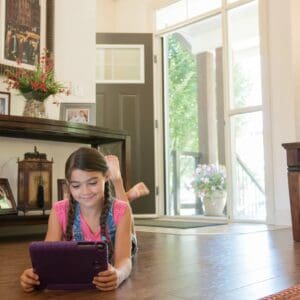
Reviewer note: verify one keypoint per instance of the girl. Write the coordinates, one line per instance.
(90, 204)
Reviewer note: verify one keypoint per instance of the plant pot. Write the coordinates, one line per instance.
(214, 203)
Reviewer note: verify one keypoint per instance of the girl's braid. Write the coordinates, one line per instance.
(103, 218)
(71, 215)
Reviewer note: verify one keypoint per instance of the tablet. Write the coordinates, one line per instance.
(68, 265)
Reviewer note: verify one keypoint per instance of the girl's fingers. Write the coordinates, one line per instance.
(105, 279)
(105, 286)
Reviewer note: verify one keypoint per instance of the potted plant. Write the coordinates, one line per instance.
(35, 85)
(209, 184)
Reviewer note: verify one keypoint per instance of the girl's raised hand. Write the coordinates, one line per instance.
(29, 280)
(107, 280)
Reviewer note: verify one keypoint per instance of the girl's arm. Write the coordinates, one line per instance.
(115, 275)
(54, 232)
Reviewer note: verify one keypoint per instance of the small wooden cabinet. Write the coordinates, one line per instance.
(54, 130)
(293, 168)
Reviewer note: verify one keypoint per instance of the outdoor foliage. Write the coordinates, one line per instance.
(183, 122)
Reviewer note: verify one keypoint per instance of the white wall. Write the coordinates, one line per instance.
(295, 38)
(282, 101)
(74, 48)
(127, 15)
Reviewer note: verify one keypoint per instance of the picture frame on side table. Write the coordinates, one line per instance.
(84, 113)
(7, 200)
(4, 103)
(62, 189)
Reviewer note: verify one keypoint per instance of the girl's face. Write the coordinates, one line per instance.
(87, 187)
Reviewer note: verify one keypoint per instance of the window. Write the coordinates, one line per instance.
(122, 64)
(198, 91)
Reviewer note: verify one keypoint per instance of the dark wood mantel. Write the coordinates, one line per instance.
(54, 130)
(62, 131)
(293, 168)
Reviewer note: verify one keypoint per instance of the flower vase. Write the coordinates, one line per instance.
(34, 107)
(214, 203)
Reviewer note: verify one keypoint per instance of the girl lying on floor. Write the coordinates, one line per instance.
(91, 214)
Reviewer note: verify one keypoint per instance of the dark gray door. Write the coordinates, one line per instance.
(130, 107)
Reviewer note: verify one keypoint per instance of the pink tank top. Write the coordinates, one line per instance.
(61, 209)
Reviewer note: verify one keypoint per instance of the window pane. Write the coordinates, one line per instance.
(245, 56)
(171, 14)
(232, 1)
(248, 166)
(194, 106)
(120, 64)
(198, 7)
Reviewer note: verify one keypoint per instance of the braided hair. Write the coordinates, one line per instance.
(88, 159)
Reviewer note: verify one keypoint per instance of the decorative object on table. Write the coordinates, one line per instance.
(36, 86)
(78, 112)
(4, 103)
(62, 189)
(34, 182)
(209, 184)
(7, 201)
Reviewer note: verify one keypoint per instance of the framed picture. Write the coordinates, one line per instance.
(7, 201)
(4, 103)
(78, 112)
(23, 32)
(62, 189)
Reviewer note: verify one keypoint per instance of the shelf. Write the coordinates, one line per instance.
(55, 130)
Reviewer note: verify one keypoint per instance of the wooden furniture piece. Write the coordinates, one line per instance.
(293, 167)
(54, 130)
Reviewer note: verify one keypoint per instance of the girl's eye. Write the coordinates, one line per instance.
(75, 186)
(93, 183)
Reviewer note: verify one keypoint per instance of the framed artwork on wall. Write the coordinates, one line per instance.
(23, 32)
(7, 201)
(26, 28)
(78, 113)
(4, 103)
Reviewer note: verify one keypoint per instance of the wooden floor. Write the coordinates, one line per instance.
(168, 266)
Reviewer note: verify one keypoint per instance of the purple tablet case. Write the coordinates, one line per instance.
(68, 265)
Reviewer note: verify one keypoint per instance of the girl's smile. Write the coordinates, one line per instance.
(87, 187)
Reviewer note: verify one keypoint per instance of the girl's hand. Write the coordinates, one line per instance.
(29, 280)
(107, 280)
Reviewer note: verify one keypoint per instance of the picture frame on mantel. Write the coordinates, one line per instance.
(7, 200)
(84, 113)
(23, 32)
(4, 103)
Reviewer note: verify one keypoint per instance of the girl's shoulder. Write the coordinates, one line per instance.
(119, 209)
(61, 207)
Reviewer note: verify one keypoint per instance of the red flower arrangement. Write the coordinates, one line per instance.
(36, 84)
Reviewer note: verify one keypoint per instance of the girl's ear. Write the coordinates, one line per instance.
(106, 177)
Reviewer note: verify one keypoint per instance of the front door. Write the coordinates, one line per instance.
(124, 96)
